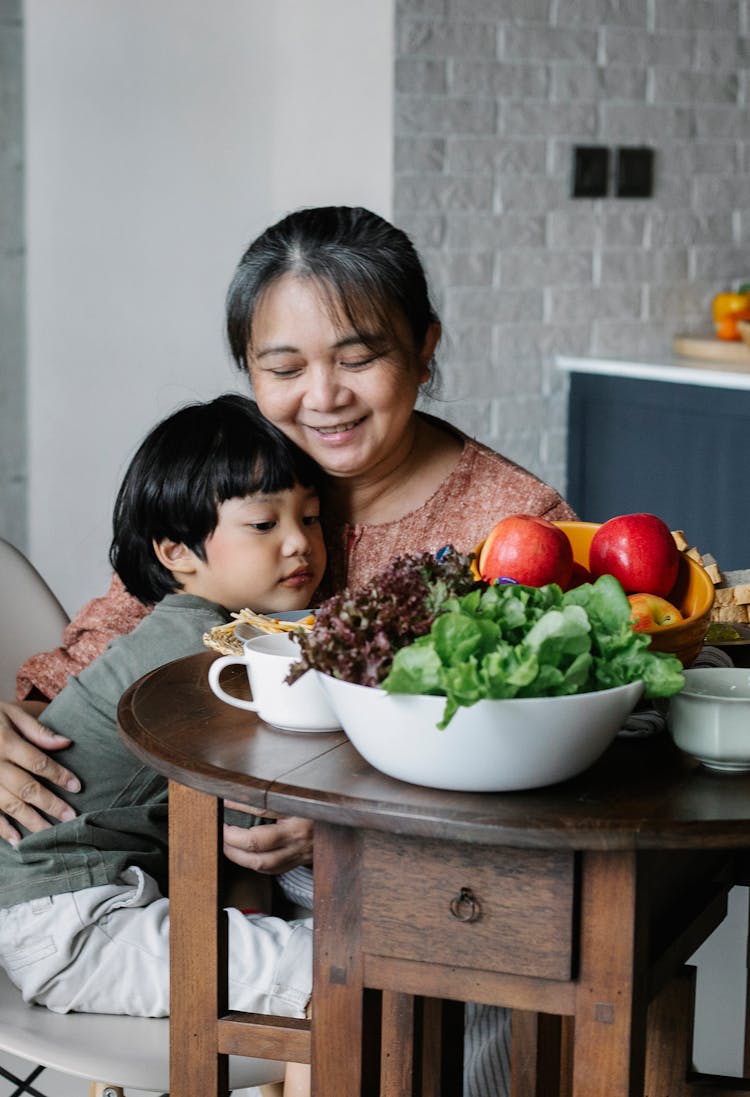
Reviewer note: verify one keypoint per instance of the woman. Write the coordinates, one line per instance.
(330, 314)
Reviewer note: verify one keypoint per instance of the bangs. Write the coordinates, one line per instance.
(363, 309)
(234, 472)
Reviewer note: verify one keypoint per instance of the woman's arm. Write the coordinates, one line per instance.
(23, 742)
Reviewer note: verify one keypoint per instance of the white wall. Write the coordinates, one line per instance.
(161, 137)
(720, 992)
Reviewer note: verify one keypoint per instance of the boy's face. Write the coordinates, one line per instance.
(266, 553)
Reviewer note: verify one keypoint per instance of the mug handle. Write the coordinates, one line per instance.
(214, 673)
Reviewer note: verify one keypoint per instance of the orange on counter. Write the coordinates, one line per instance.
(727, 309)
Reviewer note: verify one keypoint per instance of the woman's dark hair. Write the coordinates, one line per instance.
(188, 465)
(368, 269)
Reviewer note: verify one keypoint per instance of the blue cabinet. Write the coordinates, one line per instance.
(677, 450)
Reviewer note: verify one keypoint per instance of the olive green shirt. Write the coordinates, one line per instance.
(122, 808)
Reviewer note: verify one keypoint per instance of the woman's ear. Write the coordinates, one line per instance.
(431, 340)
(175, 556)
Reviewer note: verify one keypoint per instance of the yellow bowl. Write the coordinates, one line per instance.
(693, 594)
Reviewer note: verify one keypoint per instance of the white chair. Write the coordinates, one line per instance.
(109, 1051)
(124, 1051)
(32, 618)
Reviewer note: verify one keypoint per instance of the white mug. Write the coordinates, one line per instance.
(299, 707)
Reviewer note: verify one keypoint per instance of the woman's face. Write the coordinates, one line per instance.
(347, 403)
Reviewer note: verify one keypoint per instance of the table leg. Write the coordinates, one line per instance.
(198, 980)
(610, 1014)
(442, 1058)
(421, 1046)
(536, 1054)
(337, 1006)
(397, 1048)
(670, 1036)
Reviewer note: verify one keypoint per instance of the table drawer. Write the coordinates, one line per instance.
(499, 909)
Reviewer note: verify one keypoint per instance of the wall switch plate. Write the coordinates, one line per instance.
(634, 172)
(590, 171)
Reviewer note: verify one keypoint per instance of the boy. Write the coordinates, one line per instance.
(218, 511)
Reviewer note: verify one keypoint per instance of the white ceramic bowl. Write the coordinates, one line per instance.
(710, 717)
(493, 746)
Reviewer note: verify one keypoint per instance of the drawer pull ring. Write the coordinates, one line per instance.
(465, 906)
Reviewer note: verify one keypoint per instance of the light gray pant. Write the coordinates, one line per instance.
(106, 950)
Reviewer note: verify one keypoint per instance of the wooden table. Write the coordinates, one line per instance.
(580, 900)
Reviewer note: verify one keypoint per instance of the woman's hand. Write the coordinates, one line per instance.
(284, 845)
(21, 764)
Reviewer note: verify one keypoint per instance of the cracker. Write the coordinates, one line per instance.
(227, 644)
(733, 614)
(737, 578)
(712, 571)
(680, 540)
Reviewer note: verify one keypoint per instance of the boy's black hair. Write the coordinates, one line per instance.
(188, 465)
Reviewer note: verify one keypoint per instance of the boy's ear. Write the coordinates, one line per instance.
(175, 556)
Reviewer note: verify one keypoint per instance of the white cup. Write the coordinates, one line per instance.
(300, 707)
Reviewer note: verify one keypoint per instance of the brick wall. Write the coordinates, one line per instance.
(12, 334)
(491, 96)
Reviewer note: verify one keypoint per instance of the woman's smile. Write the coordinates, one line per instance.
(339, 430)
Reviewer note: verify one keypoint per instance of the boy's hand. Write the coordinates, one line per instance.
(272, 849)
(21, 764)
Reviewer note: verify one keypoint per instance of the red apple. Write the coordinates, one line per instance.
(649, 612)
(528, 549)
(639, 550)
(579, 576)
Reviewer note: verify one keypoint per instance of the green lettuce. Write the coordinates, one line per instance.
(516, 641)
